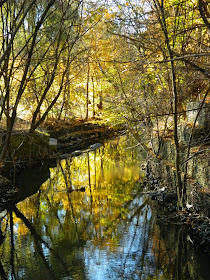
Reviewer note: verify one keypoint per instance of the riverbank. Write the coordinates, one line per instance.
(74, 135)
(161, 181)
(68, 136)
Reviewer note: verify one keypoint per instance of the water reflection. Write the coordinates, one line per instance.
(89, 220)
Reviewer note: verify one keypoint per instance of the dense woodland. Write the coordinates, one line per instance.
(133, 62)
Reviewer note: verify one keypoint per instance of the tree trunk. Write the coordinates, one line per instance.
(161, 12)
(94, 112)
(87, 92)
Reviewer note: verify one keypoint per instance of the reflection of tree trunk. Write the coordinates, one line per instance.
(138, 210)
(36, 236)
(102, 168)
(65, 178)
(145, 239)
(68, 171)
(133, 239)
(89, 182)
(37, 216)
(12, 245)
(2, 272)
(73, 215)
(145, 244)
(39, 249)
(178, 261)
(3, 275)
(69, 189)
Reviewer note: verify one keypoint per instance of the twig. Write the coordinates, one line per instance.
(132, 147)
(196, 153)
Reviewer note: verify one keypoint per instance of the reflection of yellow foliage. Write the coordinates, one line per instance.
(109, 176)
(22, 229)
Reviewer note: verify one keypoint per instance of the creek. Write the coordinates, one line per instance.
(88, 217)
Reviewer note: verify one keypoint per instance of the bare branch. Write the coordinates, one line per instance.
(203, 11)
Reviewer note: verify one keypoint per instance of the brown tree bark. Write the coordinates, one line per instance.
(161, 13)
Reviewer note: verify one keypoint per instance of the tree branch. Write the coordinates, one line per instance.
(202, 7)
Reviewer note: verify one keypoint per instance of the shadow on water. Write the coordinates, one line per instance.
(26, 184)
(87, 218)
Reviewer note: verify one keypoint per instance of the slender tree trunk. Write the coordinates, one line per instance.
(176, 140)
(62, 106)
(161, 12)
(87, 92)
(94, 112)
(68, 98)
(100, 101)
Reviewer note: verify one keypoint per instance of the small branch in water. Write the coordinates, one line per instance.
(69, 190)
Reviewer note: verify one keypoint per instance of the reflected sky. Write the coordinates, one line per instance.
(125, 261)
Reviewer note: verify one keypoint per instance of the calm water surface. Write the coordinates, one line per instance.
(104, 229)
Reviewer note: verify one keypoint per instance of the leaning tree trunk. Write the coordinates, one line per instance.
(161, 13)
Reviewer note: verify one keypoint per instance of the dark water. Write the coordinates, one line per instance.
(104, 229)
